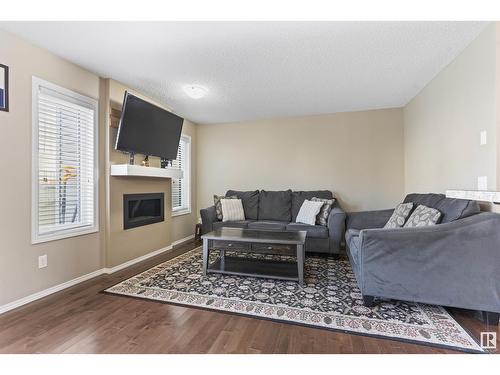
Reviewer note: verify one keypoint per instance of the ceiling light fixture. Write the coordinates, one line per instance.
(195, 91)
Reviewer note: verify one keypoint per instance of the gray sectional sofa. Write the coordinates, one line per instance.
(454, 263)
(277, 210)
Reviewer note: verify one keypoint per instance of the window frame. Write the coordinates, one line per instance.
(36, 237)
(187, 178)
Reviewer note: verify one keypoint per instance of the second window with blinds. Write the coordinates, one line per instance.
(181, 202)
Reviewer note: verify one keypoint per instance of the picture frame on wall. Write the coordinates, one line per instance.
(4, 88)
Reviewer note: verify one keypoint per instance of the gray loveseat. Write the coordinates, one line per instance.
(277, 210)
(455, 263)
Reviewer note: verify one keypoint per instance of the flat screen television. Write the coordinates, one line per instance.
(148, 129)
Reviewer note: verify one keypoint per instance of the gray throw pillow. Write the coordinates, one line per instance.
(322, 218)
(423, 216)
(218, 205)
(399, 216)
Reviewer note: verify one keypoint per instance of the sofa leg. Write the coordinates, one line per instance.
(369, 301)
(491, 318)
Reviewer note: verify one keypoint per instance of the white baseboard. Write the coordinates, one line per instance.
(182, 240)
(49, 291)
(46, 292)
(146, 256)
(136, 260)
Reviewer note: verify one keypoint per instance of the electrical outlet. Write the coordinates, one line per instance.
(483, 137)
(42, 261)
(482, 183)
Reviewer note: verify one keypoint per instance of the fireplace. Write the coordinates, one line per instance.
(142, 209)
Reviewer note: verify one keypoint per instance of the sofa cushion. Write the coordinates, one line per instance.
(324, 213)
(232, 210)
(430, 200)
(231, 224)
(313, 231)
(308, 212)
(218, 205)
(250, 200)
(275, 205)
(298, 197)
(399, 216)
(453, 209)
(268, 224)
(423, 216)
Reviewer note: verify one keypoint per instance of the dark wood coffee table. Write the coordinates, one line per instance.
(255, 241)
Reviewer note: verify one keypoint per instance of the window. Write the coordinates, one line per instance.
(64, 202)
(180, 186)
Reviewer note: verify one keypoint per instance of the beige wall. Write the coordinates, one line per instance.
(124, 245)
(443, 122)
(67, 258)
(357, 155)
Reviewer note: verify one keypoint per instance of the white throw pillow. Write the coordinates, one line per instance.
(232, 209)
(308, 212)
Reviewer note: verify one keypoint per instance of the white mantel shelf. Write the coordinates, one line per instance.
(477, 195)
(127, 170)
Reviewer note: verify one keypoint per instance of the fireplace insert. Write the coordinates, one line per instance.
(142, 209)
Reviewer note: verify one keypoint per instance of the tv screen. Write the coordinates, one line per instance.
(147, 129)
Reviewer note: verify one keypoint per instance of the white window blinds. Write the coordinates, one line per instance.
(180, 186)
(65, 173)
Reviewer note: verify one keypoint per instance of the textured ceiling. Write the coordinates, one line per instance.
(257, 70)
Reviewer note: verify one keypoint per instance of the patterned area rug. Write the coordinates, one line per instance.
(329, 299)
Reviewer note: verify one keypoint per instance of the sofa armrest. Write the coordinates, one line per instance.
(336, 228)
(368, 219)
(208, 217)
(452, 264)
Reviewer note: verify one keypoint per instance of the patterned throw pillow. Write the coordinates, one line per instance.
(308, 212)
(399, 216)
(322, 218)
(423, 216)
(218, 206)
(232, 209)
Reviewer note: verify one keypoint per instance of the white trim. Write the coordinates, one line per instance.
(137, 260)
(187, 172)
(177, 211)
(478, 195)
(57, 288)
(182, 240)
(36, 83)
(180, 212)
(68, 233)
(140, 171)
(49, 291)
(146, 256)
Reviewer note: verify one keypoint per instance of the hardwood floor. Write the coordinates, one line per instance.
(83, 320)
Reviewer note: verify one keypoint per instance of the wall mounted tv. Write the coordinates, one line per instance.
(147, 129)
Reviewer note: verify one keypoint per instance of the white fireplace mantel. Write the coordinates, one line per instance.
(128, 170)
(477, 195)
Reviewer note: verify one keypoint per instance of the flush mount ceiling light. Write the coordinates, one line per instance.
(195, 91)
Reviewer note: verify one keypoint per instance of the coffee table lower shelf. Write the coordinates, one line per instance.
(263, 268)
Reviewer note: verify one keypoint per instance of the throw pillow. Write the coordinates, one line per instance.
(218, 207)
(399, 216)
(322, 218)
(423, 216)
(232, 209)
(308, 212)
